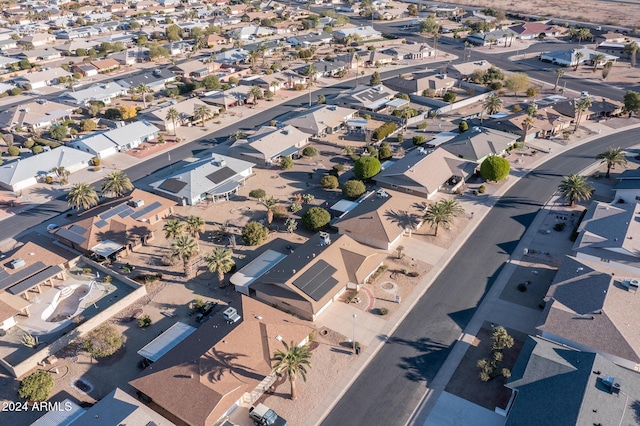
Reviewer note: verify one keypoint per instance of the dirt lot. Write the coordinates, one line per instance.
(610, 13)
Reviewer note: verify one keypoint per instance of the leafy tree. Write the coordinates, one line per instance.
(606, 69)
(517, 82)
(254, 233)
(13, 151)
(366, 167)
(493, 104)
(632, 49)
(82, 195)
(352, 189)
(329, 182)
(36, 387)
(632, 102)
(59, 132)
(385, 152)
(257, 193)
(431, 26)
(173, 228)
(293, 362)
(38, 149)
(532, 92)
(442, 213)
(116, 183)
(322, 99)
(575, 188)
(315, 219)
(449, 97)
(184, 247)
(613, 157)
(309, 151)
(173, 32)
(220, 261)
(103, 341)
(495, 168)
(128, 112)
(412, 10)
(375, 79)
(88, 125)
(286, 163)
(463, 126)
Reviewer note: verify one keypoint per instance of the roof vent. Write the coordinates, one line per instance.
(612, 384)
(137, 203)
(18, 263)
(325, 239)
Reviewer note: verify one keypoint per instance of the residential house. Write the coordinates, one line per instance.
(407, 52)
(37, 80)
(120, 139)
(268, 144)
(26, 172)
(154, 80)
(7, 45)
(41, 54)
(365, 98)
(321, 120)
(377, 58)
(424, 172)
(606, 236)
(251, 32)
(389, 14)
(106, 65)
(628, 187)
(593, 390)
(381, 218)
(546, 122)
(131, 56)
(186, 111)
(210, 179)
(569, 58)
(228, 98)
(478, 143)
(272, 82)
(492, 38)
(214, 40)
(531, 30)
(191, 68)
(432, 81)
(598, 109)
(590, 306)
(85, 69)
(464, 70)
(76, 33)
(363, 33)
(37, 40)
(311, 39)
(195, 381)
(232, 56)
(103, 92)
(118, 227)
(34, 116)
(311, 278)
(615, 48)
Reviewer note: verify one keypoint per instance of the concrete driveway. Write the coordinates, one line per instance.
(339, 318)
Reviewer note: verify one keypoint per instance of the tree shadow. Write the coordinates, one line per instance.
(404, 219)
(425, 365)
(215, 364)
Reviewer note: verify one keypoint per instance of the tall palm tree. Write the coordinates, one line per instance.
(311, 76)
(116, 183)
(356, 57)
(575, 188)
(82, 195)
(194, 226)
(173, 228)
(256, 93)
(202, 112)
(578, 56)
(613, 157)
(492, 104)
(527, 123)
(581, 105)
(270, 203)
(632, 50)
(559, 74)
(142, 89)
(262, 50)
(72, 80)
(597, 58)
(253, 56)
(173, 115)
(293, 361)
(220, 261)
(442, 213)
(184, 247)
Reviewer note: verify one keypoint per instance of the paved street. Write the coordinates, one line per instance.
(394, 382)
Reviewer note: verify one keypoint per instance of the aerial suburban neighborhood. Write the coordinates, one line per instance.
(225, 212)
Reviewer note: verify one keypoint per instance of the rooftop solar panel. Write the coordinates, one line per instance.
(125, 212)
(317, 281)
(173, 185)
(102, 223)
(221, 175)
(112, 212)
(146, 209)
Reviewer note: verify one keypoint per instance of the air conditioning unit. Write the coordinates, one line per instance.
(137, 203)
(17, 263)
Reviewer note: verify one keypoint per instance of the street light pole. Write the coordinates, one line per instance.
(354, 333)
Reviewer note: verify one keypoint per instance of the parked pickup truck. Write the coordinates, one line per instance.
(265, 416)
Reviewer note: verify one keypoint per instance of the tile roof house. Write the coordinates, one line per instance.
(609, 235)
(118, 226)
(417, 83)
(546, 122)
(41, 79)
(214, 178)
(35, 115)
(464, 70)
(531, 30)
(591, 309)
(556, 385)
(321, 120)
(365, 98)
(381, 219)
(154, 80)
(186, 110)
(218, 366)
(308, 280)
(478, 143)
(106, 65)
(424, 174)
(268, 144)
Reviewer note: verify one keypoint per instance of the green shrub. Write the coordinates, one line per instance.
(338, 168)
(385, 153)
(385, 130)
(495, 168)
(286, 163)
(28, 143)
(258, 193)
(418, 140)
(422, 126)
(315, 219)
(449, 97)
(13, 151)
(36, 387)
(482, 189)
(366, 167)
(352, 189)
(254, 233)
(144, 321)
(37, 149)
(15, 91)
(309, 151)
(329, 182)
(400, 138)
(463, 126)
(354, 157)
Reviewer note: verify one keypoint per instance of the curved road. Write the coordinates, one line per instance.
(392, 385)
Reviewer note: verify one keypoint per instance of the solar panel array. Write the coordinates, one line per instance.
(221, 175)
(173, 185)
(317, 281)
(115, 211)
(146, 209)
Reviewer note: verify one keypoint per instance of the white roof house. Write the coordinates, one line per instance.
(213, 178)
(269, 144)
(42, 78)
(98, 92)
(255, 269)
(117, 140)
(365, 33)
(24, 173)
(186, 110)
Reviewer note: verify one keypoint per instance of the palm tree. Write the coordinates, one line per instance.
(632, 50)
(442, 213)
(526, 125)
(253, 55)
(142, 89)
(356, 57)
(270, 203)
(220, 261)
(184, 247)
(173, 115)
(613, 157)
(575, 188)
(492, 104)
(173, 228)
(82, 195)
(578, 55)
(311, 76)
(202, 112)
(256, 93)
(262, 50)
(597, 58)
(194, 226)
(72, 80)
(583, 34)
(116, 183)
(559, 73)
(581, 105)
(293, 361)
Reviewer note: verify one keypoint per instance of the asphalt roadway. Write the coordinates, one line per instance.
(392, 385)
